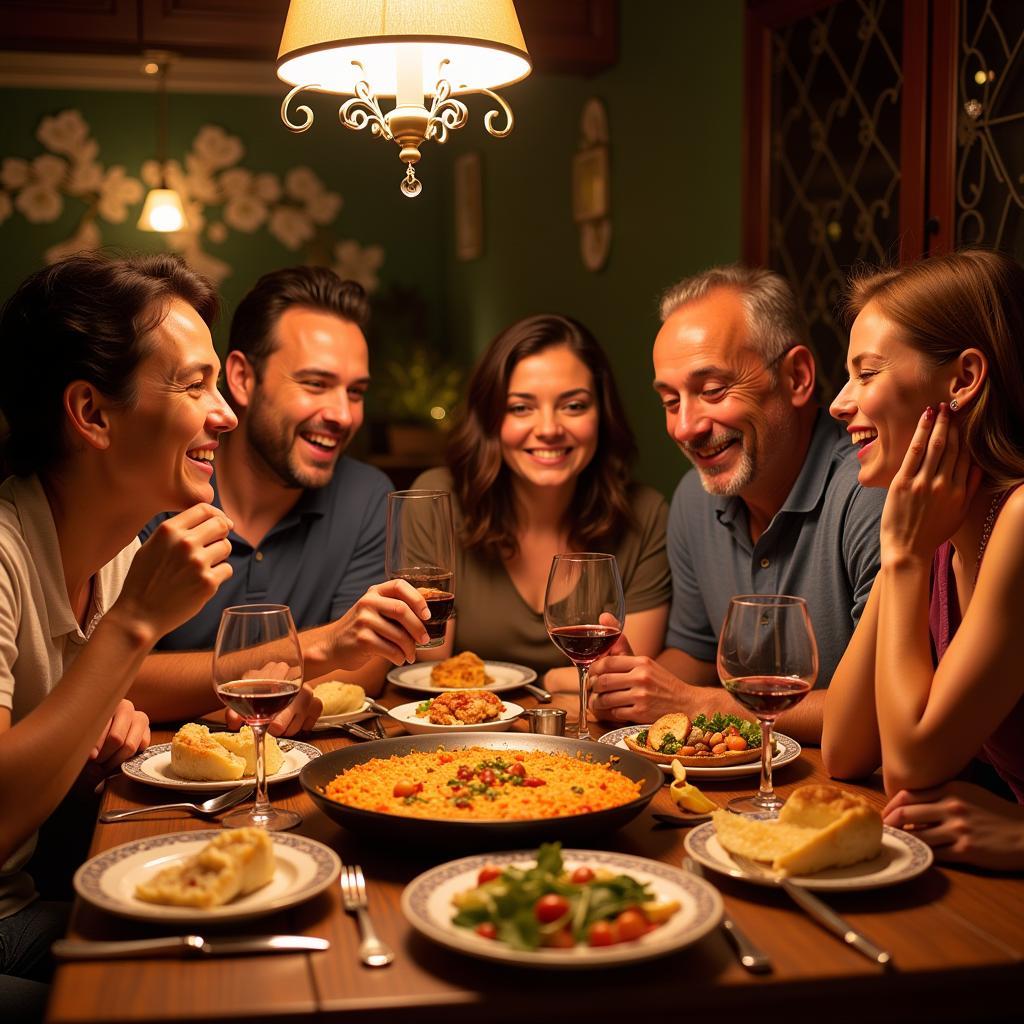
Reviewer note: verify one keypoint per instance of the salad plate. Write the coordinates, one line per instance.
(303, 868)
(427, 905)
(506, 675)
(786, 750)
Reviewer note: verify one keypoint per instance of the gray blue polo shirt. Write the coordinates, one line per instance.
(822, 545)
(319, 559)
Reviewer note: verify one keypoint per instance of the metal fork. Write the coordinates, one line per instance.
(372, 951)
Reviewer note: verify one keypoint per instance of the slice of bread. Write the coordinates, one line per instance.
(340, 698)
(819, 827)
(232, 864)
(242, 745)
(197, 756)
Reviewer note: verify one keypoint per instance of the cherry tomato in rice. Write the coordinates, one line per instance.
(517, 769)
(550, 907)
(487, 777)
(582, 875)
(464, 772)
(532, 783)
(631, 924)
(487, 930)
(445, 758)
(488, 874)
(601, 933)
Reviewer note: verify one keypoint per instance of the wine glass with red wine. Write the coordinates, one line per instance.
(420, 549)
(768, 661)
(257, 672)
(584, 611)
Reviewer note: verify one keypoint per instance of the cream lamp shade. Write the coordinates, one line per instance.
(407, 49)
(162, 211)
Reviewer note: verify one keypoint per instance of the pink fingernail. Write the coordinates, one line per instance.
(929, 412)
(942, 407)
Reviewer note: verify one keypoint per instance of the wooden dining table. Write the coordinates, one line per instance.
(956, 936)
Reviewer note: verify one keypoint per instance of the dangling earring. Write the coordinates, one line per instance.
(954, 405)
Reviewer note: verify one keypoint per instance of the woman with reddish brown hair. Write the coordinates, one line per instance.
(934, 675)
(540, 464)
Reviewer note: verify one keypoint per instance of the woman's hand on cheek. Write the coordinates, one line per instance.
(932, 492)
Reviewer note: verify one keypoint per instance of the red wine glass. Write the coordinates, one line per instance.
(768, 661)
(420, 549)
(584, 611)
(257, 672)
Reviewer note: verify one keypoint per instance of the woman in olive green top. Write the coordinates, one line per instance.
(540, 464)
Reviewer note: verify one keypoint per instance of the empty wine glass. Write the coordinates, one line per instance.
(257, 671)
(584, 611)
(768, 661)
(420, 549)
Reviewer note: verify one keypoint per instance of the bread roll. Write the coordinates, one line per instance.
(232, 864)
(197, 756)
(242, 745)
(340, 698)
(819, 827)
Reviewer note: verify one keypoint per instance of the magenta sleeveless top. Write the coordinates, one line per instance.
(1004, 749)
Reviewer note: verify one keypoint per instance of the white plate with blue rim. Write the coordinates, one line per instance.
(427, 905)
(786, 750)
(901, 858)
(153, 767)
(303, 868)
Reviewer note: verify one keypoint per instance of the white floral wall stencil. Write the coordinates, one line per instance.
(220, 196)
(37, 188)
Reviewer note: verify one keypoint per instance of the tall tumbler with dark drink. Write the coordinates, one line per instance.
(257, 672)
(584, 610)
(768, 661)
(421, 550)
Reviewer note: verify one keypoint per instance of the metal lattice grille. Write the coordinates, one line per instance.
(836, 87)
(990, 135)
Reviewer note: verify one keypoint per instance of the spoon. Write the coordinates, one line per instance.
(211, 806)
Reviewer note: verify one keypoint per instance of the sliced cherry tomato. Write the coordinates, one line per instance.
(486, 930)
(517, 769)
(465, 773)
(550, 908)
(562, 939)
(532, 783)
(488, 873)
(601, 933)
(406, 788)
(631, 924)
(487, 777)
(582, 875)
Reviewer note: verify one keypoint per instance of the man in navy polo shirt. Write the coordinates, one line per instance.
(308, 522)
(773, 507)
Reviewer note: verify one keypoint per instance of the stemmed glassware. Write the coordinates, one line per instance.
(257, 672)
(420, 548)
(584, 611)
(768, 661)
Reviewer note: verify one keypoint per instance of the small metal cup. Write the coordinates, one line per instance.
(546, 721)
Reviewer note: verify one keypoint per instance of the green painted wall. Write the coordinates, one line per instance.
(674, 104)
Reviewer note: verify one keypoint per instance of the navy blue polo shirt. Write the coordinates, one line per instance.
(822, 545)
(319, 559)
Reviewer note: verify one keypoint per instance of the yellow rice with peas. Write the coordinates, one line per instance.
(482, 784)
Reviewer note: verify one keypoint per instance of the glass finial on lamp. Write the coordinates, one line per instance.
(163, 209)
(413, 50)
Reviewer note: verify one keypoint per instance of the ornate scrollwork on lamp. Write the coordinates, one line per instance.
(411, 50)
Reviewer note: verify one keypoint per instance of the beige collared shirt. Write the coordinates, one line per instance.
(39, 634)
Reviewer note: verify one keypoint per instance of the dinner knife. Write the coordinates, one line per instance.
(826, 916)
(542, 695)
(185, 945)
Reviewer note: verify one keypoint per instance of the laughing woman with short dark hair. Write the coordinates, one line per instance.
(109, 393)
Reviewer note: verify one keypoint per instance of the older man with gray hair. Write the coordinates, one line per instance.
(774, 506)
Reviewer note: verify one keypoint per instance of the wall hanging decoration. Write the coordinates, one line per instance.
(591, 186)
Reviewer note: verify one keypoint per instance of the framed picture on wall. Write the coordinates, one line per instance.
(469, 207)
